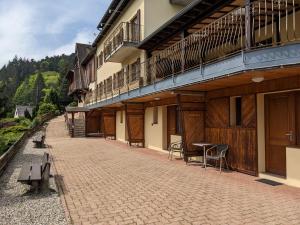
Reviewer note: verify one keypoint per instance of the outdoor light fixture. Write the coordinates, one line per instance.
(156, 99)
(258, 79)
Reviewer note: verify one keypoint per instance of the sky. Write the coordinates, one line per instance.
(39, 28)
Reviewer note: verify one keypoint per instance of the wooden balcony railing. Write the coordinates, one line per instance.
(260, 24)
(78, 82)
(125, 33)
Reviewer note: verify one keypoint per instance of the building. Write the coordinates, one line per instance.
(214, 71)
(20, 111)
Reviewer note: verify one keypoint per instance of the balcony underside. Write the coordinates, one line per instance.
(122, 52)
(273, 63)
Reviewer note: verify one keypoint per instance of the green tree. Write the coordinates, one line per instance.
(44, 66)
(64, 98)
(52, 97)
(39, 85)
(3, 100)
(27, 114)
(45, 108)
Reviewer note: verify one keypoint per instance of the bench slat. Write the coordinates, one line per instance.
(36, 172)
(25, 173)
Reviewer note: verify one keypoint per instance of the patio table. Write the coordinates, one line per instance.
(203, 145)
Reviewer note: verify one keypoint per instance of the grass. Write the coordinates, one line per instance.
(51, 79)
(9, 135)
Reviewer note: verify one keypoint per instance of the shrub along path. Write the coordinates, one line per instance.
(106, 182)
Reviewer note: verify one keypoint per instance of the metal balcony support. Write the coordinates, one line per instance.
(248, 25)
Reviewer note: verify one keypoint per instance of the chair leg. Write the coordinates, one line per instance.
(220, 164)
(172, 154)
(169, 153)
(226, 163)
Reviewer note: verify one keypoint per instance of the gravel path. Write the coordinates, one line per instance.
(18, 205)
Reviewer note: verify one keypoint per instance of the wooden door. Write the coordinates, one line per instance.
(280, 130)
(109, 124)
(192, 112)
(171, 122)
(135, 123)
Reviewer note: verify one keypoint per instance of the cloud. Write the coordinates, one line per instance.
(15, 31)
(35, 28)
(81, 37)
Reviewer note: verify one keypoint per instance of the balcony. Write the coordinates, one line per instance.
(77, 83)
(122, 42)
(263, 34)
(261, 24)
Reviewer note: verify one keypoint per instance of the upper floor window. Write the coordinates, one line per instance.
(135, 71)
(109, 84)
(155, 115)
(135, 27)
(100, 60)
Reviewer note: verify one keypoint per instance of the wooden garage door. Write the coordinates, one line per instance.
(192, 122)
(135, 123)
(109, 124)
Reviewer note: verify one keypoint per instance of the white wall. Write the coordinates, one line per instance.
(155, 134)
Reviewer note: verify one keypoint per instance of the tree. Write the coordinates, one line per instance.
(64, 98)
(18, 86)
(45, 108)
(39, 85)
(44, 66)
(3, 100)
(51, 97)
(27, 114)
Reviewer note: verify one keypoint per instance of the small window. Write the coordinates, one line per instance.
(121, 117)
(236, 111)
(155, 115)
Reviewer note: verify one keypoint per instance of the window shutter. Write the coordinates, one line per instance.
(138, 68)
(138, 15)
(114, 81)
(127, 74)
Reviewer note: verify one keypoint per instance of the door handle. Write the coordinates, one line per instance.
(290, 135)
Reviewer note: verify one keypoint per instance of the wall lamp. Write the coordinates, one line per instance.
(258, 79)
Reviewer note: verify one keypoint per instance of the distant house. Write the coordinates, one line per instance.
(20, 110)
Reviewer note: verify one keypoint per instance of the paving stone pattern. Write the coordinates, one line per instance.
(107, 182)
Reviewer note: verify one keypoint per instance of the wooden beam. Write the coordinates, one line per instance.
(188, 92)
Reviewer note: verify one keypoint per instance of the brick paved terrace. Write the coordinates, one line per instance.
(107, 182)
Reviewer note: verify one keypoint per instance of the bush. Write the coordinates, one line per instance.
(73, 104)
(13, 129)
(27, 114)
(3, 146)
(36, 121)
(45, 108)
(8, 136)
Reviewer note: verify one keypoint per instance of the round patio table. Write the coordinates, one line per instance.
(203, 146)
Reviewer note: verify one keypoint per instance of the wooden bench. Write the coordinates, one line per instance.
(39, 139)
(36, 174)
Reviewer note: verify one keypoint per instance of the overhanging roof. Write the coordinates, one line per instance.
(69, 74)
(88, 57)
(111, 14)
(76, 109)
(188, 16)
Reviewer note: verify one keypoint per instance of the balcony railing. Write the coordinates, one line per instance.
(125, 34)
(261, 24)
(78, 82)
